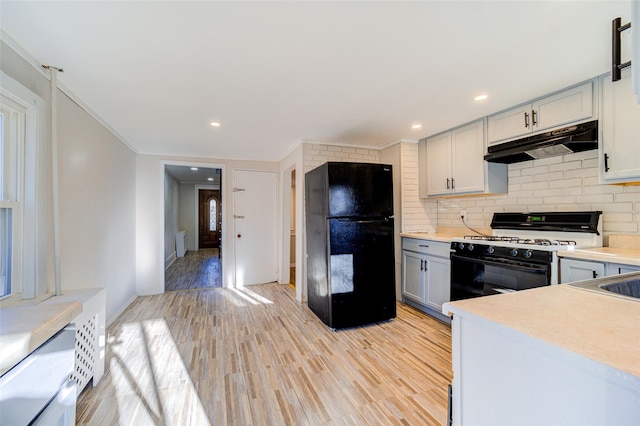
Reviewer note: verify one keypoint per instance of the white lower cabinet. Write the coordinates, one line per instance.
(617, 268)
(579, 270)
(426, 274)
(505, 377)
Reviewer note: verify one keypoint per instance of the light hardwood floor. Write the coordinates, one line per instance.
(197, 269)
(255, 356)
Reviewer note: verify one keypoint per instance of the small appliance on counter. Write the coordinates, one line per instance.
(350, 243)
(521, 253)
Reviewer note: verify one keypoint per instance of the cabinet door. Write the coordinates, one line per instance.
(438, 161)
(509, 124)
(467, 152)
(438, 282)
(413, 265)
(565, 107)
(619, 131)
(616, 268)
(579, 270)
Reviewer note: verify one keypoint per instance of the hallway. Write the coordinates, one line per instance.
(197, 269)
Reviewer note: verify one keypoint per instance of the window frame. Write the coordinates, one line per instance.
(29, 254)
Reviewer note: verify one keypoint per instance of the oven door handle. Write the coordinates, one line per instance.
(530, 269)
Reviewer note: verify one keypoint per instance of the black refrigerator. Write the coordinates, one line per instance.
(350, 253)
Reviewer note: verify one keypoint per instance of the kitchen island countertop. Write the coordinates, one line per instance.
(602, 328)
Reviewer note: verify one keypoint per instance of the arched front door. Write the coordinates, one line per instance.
(209, 218)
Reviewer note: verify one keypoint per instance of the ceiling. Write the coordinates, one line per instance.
(186, 174)
(274, 74)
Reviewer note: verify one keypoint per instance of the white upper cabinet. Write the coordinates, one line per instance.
(619, 139)
(454, 163)
(569, 106)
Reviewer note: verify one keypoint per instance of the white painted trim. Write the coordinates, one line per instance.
(169, 260)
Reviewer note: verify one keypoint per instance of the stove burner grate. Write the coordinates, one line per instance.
(518, 240)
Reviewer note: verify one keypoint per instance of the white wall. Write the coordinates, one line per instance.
(171, 227)
(97, 208)
(187, 213)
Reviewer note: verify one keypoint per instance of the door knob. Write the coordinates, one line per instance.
(239, 235)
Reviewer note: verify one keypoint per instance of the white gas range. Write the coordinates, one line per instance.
(521, 253)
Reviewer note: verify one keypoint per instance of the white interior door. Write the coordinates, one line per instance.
(255, 226)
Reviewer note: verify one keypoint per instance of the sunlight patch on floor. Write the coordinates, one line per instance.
(151, 381)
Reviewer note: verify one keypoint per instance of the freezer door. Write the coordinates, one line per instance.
(361, 272)
(360, 190)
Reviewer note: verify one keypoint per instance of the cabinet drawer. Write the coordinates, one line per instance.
(430, 247)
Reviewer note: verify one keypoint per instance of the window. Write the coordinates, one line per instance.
(21, 233)
(213, 215)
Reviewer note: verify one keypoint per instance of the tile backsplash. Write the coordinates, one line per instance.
(563, 183)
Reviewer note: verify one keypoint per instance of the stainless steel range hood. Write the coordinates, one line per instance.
(576, 138)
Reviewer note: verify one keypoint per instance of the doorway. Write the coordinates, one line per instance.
(292, 239)
(193, 206)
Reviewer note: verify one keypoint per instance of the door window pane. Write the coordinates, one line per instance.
(213, 215)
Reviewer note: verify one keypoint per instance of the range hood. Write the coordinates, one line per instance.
(576, 138)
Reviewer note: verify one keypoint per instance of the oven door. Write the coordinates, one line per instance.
(475, 277)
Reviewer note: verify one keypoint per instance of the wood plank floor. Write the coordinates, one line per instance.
(197, 269)
(255, 356)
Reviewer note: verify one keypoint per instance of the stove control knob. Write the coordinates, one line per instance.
(527, 254)
(461, 246)
(491, 249)
(470, 247)
(513, 252)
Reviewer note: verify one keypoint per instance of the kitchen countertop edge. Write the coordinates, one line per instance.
(595, 326)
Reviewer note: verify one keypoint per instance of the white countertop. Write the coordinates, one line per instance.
(600, 327)
(24, 328)
(627, 256)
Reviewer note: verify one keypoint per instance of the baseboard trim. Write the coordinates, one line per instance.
(169, 260)
(109, 321)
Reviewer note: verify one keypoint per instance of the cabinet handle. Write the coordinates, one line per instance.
(534, 117)
(606, 162)
(447, 183)
(421, 267)
(453, 183)
(423, 245)
(526, 120)
(595, 274)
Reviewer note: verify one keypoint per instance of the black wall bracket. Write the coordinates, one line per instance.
(616, 67)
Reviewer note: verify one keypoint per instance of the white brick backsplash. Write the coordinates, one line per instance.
(595, 198)
(573, 185)
(590, 172)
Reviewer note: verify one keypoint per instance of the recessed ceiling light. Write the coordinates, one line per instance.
(417, 126)
(194, 169)
(215, 124)
(210, 179)
(480, 98)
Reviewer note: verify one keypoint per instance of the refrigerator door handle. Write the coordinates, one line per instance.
(384, 219)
